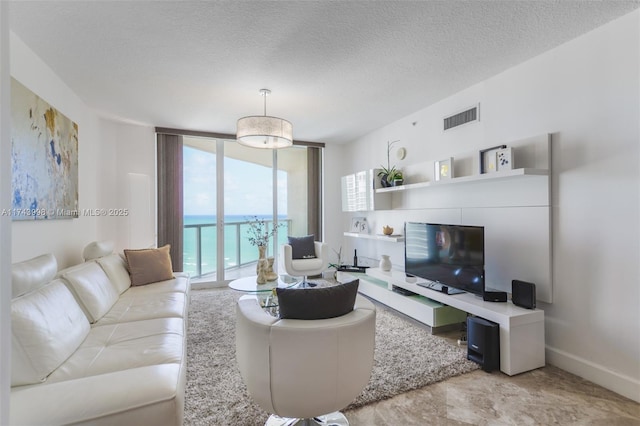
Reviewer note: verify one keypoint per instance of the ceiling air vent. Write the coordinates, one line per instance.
(464, 117)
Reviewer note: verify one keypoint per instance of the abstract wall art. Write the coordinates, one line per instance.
(44, 159)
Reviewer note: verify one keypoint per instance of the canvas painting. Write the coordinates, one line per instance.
(44, 159)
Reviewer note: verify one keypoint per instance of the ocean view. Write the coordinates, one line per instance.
(237, 249)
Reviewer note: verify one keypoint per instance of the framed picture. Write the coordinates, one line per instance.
(444, 169)
(504, 159)
(359, 225)
(488, 159)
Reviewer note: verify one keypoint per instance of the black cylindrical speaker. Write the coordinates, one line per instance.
(483, 343)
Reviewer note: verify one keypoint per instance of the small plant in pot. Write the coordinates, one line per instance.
(389, 175)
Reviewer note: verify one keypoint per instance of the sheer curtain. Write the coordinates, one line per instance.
(170, 196)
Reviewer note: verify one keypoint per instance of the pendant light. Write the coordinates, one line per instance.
(262, 131)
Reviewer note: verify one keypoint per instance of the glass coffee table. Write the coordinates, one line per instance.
(249, 284)
(266, 292)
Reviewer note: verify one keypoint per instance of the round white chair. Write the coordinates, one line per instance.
(300, 370)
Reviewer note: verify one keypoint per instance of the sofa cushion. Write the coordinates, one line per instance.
(149, 265)
(317, 302)
(31, 274)
(179, 284)
(115, 268)
(136, 306)
(47, 326)
(123, 346)
(92, 288)
(97, 249)
(302, 247)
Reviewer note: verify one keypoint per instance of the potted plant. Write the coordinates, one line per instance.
(388, 175)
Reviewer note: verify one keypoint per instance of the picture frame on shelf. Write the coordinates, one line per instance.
(359, 225)
(443, 169)
(488, 159)
(504, 159)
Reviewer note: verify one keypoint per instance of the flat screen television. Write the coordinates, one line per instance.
(448, 255)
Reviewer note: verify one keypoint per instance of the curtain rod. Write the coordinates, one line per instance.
(182, 132)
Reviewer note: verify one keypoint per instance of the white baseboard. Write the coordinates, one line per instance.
(626, 386)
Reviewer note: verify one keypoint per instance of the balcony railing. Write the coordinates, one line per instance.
(200, 246)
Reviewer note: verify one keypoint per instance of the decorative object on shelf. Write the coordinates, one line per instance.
(401, 153)
(488, 158)
(271, 275)
(385, 262)
(387, 230)
(389, 174)
(262, 131)
(444, 169)
(359, 225)
(504, 159)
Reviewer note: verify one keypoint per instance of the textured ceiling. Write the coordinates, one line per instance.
(337, 69)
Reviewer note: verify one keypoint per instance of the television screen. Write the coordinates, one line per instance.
(451, 255)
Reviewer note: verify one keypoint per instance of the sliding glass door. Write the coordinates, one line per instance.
(226, 187)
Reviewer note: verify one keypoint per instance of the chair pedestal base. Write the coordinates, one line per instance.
(332, 419)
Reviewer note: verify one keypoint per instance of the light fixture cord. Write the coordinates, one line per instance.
(264, 95)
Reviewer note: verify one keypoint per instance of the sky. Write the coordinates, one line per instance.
(248, 187)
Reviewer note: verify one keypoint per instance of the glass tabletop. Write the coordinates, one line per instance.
(249, 284)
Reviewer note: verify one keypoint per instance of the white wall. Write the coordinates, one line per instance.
(587, 93)
(128, 159)
(334, 168)
(5, 221)
(108, 152)
(65, 238)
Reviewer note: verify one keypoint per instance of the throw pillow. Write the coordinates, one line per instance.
(317, 302)
(149, 265)
(302, 247)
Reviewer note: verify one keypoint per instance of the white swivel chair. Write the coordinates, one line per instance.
(305, 267)
(300, 370)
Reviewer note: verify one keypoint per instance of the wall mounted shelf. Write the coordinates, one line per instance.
(390, 238)
(505, 174)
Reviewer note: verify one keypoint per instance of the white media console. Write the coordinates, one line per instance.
(521, 330)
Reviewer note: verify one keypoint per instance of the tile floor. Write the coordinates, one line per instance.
(546, 396)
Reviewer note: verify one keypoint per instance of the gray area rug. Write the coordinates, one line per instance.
(406, 357)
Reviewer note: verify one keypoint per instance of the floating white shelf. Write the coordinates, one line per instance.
(391, 238)
(505, 174)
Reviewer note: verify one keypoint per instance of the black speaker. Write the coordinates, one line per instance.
(494, 296)
(483, 343)
(523, 294)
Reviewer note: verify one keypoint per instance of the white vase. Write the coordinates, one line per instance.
(385, 263)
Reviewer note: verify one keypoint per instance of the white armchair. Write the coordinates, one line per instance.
(304, 369)
(305, 267)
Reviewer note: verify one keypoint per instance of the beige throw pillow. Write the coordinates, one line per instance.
(149, 265)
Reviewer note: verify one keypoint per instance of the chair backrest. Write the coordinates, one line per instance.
(304, 368)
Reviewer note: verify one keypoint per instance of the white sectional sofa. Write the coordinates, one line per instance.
(89, 348)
